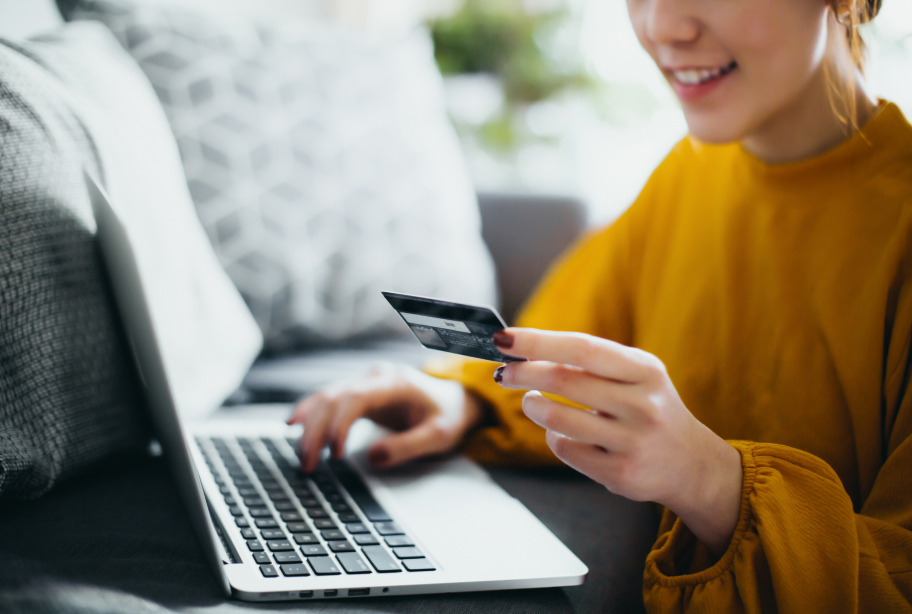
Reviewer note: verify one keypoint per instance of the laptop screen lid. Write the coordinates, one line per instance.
(123, 271)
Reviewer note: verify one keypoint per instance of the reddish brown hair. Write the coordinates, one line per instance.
(849, 15)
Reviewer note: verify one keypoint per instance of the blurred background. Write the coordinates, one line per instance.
(556, 96)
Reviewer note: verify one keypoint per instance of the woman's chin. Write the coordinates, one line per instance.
(713, 128)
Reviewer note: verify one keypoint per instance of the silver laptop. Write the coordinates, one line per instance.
(273, 533)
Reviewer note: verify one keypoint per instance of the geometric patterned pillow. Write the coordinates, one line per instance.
(321, 164)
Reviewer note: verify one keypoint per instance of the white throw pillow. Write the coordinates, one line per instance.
(321, 163)
(208, 337)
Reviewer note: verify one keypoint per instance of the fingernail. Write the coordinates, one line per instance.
(378, 457)
(503, 339)
(498, 374)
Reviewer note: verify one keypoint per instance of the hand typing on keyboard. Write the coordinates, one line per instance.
(431, 415)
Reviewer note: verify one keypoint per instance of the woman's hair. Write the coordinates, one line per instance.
(849, 15)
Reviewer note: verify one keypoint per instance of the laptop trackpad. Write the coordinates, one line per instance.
(458, 513)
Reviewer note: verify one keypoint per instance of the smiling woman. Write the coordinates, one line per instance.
(754, 71)
(737, 346)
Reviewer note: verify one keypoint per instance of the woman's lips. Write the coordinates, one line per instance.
(692, 83)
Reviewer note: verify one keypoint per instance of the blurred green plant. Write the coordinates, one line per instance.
(504, 39)
(500, 37)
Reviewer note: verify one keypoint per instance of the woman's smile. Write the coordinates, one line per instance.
(693, 82)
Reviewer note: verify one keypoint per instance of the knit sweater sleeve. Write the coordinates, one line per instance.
(798, 546)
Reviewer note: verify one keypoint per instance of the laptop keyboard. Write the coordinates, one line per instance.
(297, 524)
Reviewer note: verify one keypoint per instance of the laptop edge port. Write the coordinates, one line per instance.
(332, 593)
(358, 592)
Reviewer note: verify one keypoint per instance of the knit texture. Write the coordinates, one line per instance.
(69, 394)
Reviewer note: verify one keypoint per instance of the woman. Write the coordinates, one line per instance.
(740, 337)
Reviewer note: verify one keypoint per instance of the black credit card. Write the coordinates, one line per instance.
(451, 327)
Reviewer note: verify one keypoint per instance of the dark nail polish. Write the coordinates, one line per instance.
(378, 457)
(498, 374)
(503, 339)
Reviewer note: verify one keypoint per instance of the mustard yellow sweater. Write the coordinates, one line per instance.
(780, 300)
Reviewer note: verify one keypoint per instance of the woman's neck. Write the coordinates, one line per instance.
(815, 123)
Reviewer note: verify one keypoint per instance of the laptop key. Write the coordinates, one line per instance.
(324, 523)
(297, 527)
(287, 557)
(235, 511)
(419, 565)
(272, 534)
(294, 570)
(248, 534)
(317, 512)
(313, 550)
(324, 566)
(342, 546)
(342, 508)
(344, 517)
(358, 491)
(308, 501)
(332, 535)
(306, 538)
(261, 558)
(253, 502)
(248, 492)
(365, 540)
(230, 502)
(283, 505)
(388, 528)
(279, 545)
(291, 516)
(266, 523)
(408, 552)
(381, 561)
(241, 522)
(353, 563)
(356, 527)
(254, 545)
(260, 512)
(268, 571)
(394, 541)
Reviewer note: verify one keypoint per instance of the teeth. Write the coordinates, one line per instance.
(702, 75)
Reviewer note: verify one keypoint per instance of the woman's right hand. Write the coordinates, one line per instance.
(431, 415)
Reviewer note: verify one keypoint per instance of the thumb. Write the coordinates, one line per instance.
(426, 438)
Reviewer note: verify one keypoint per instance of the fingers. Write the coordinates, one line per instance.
(590, 460)
(598, 356)
(577, 424)
(327, 417)
(608, 396)
(316, 418)
(426, 438)
(358, 403)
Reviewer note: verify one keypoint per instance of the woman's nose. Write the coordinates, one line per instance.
(671, 22)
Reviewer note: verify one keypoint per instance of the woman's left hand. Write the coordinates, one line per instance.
(639, 439)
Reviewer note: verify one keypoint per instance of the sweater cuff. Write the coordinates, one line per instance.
(663, 561)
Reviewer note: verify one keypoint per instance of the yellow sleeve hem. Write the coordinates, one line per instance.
(661, 560)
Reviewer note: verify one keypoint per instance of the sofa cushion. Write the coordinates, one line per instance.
(207, 336)
(68, 391)
(321, 164)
